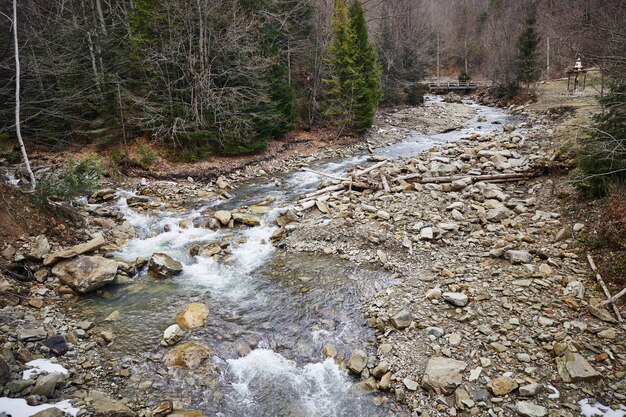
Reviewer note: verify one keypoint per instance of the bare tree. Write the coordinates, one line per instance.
(18, 131)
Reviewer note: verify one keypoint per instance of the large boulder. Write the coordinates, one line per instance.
(105, 406)
(49, 412)
(194, 315)
(357, 361)
(86, 273)
(573, 367)
(39, 249)
(247, 219)
(163, 265)
(188, 355)
(223, 217)
(95, 243)
(46, 384)
(5, 371)
(443, 375)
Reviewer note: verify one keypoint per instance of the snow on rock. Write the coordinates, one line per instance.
(39, 366)
(600, 410)
(17, 407)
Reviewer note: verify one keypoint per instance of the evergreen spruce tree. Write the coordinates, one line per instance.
(353, 72)
(366, 62)
(527, 65)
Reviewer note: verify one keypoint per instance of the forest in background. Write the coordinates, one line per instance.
(226, 76)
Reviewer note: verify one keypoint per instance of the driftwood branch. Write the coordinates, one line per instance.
(324, 190)
(474, 178)
(323, 174)
(604, 288)
(370, 169)
(613, 299)
(383, 179)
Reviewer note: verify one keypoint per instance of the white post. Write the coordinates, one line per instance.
(437, 57)
(548, 58)
(18, 131)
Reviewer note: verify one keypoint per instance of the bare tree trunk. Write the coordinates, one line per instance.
(18, 131)
(101, 16)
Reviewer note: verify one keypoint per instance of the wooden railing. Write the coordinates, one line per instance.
(454, 85)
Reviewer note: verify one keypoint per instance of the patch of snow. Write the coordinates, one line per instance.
(600, 410)
(554, 394)
(17, 407)
(39, 366)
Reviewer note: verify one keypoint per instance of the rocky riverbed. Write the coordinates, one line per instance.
(488, 309)
(495, 315)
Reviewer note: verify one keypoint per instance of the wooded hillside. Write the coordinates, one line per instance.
(217, 75)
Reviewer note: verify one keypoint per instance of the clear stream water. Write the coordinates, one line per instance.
(270, 312)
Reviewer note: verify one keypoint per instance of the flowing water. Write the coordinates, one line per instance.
(270, 312)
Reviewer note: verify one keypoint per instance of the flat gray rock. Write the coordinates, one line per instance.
(456, 298)
(443, 375)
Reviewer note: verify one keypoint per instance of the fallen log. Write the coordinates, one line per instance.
(604, 288)
(370, 169)
(613, 299)
(306, 205)
(325, 190)
(383, 179)
(323, 174)
(474, 178)
(311, 203)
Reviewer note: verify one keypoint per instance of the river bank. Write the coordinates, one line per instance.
(113, 357)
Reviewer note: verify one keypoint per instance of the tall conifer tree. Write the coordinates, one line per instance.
(366, 62)
(527, 66)
(353, 72)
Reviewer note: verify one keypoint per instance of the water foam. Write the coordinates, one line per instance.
(177, 239)
(318, 388)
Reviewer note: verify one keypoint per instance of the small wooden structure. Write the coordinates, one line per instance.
(444, 87)
(576, 72)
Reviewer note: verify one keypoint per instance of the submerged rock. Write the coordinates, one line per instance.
(194, 315)
(188, 355)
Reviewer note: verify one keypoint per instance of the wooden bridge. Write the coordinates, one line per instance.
(445, 86)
